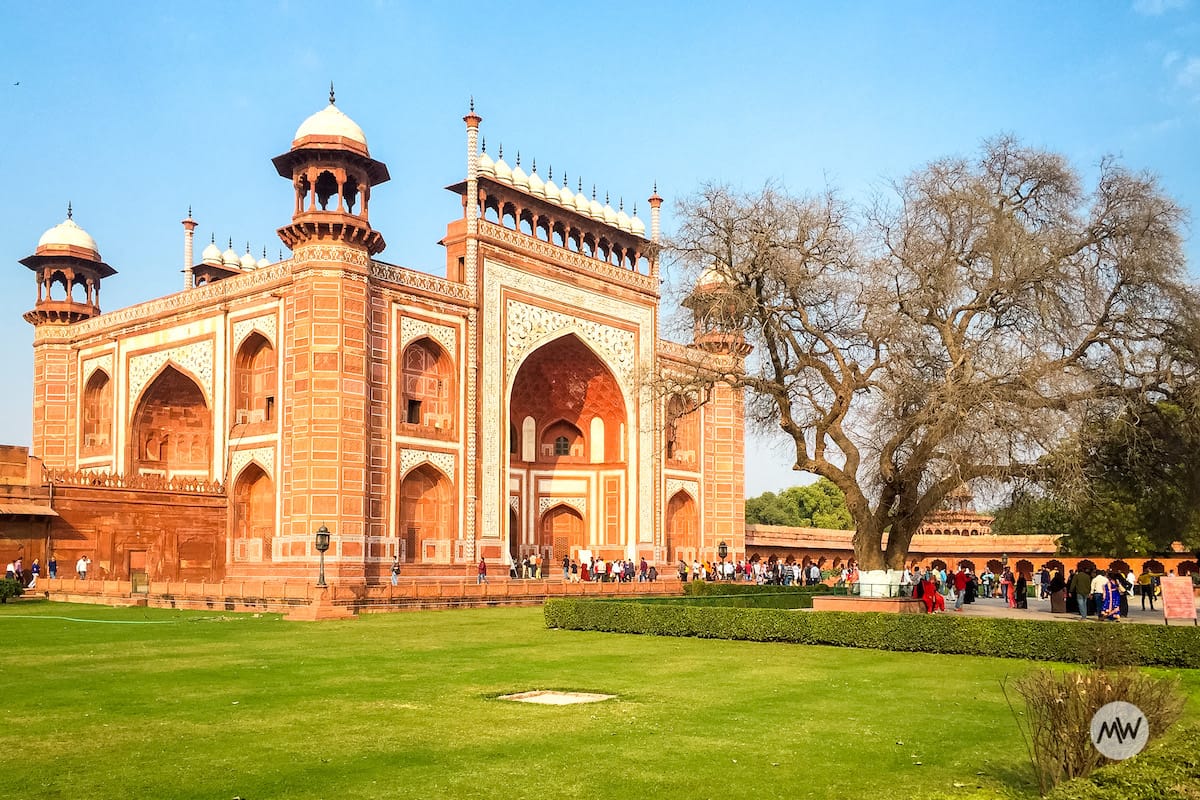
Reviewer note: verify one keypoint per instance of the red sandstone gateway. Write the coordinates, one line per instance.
(496, 412)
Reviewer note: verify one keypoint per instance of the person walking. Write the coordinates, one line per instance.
(566, 566)
(961, 579)
(81, 567)
(396, 571)
(1080, 587)
(481, 572)
(52, 566)
(36, 571)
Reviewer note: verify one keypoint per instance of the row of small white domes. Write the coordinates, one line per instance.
(550, 191)
(213, 256)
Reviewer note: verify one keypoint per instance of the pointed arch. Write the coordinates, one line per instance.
(172, 429)
(254, 381)
(682, 526)
(96, 419)
(561, 531)
(253, 514)
(427, 509)
(426, 386)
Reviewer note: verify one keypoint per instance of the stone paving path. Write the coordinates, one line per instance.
(1040, 609)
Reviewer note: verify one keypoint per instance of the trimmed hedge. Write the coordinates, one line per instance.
(746, 600)
(1036, 640)
(1169, 770)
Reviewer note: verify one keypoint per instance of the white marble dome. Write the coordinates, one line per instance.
(636, 225)
(212, 255)
(68, 234)
(230, 258)
(536, 187)
(330, 121)
(248, 261)
(485, 165)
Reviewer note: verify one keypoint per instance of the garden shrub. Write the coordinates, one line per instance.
(704, 589)
(1037, 640)
(1169, 770)
(10, 587)
(1059, 707)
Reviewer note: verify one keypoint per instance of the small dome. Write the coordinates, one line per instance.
(536, 187)
(485, 165)
(581, 202)
(248, 261)
(230, 258)
(610, 215)
(68, 234)
(551, 190)
(566, 198)
(212, 255)
(636, 226)
(263, 262)
(712, 277)
(519, 178)
(623, 221)
(330, 121)
(594, 208)
(503, 170)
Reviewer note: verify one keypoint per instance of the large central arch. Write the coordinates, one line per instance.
(570, 420)
(172, 429)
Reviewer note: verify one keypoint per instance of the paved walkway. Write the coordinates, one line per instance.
(1040, 609)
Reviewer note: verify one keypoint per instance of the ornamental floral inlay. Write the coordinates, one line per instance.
(104, 362)
(676, 485)
(577, 503)
(330, 254)
(264, 325)
(514, 503)
(263, 456)
(195, 358)
(531, 326)
(415, 328)
(410, 458)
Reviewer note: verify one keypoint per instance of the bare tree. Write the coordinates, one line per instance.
(956, 332)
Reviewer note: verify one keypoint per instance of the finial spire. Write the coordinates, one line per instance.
(621, 205)
(69, 211)
(606, 202)
(500, 152)
(472, 104)
(535, 166)
(593, 191)
(550, 173)
(518, 158)
(264, 251)
(483, 143)
(579, 185)
(332, 100)
(189, 210)
(230, 242)
(212, 238)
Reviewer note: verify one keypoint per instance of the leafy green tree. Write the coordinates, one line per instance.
(818, 505)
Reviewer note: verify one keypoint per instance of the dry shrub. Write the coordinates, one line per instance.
(1059, 707)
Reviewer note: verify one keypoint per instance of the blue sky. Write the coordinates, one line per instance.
(134, 111)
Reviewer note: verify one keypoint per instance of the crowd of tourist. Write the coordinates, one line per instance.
(597, 570)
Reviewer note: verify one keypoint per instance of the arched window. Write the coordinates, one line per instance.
(426, 389)
(96, 427)
(254, 381)
(562, 446)
(562, 440)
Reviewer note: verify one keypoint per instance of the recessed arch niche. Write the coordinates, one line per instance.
(172, 428)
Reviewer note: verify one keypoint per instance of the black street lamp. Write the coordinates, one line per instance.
(322, 546)
(722, 551)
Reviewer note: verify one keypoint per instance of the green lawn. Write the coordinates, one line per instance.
(400, 705)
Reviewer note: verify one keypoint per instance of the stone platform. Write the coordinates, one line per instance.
(886, 605)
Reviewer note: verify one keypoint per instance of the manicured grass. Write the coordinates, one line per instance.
(400, 705)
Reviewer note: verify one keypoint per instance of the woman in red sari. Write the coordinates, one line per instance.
(932, 598)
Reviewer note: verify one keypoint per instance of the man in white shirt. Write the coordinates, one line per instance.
(906, 582)
(1099, 581)
(81, 567)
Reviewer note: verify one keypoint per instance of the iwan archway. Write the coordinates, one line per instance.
(570, 422)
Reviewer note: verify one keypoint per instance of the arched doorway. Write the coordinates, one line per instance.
(681, 528)
(426, 509)
(172, 429)
(253, 515)
(561, 533)
(426, 386)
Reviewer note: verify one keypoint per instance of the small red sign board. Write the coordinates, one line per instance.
(1178, 598)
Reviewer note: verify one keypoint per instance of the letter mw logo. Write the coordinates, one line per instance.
(1120, 730)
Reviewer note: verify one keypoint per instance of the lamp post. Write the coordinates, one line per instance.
(322, 546)
(722, 551)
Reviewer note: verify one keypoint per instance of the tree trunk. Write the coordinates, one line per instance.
(898, 543)
(868, 546)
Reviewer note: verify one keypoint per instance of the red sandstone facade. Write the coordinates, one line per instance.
(512, 407)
